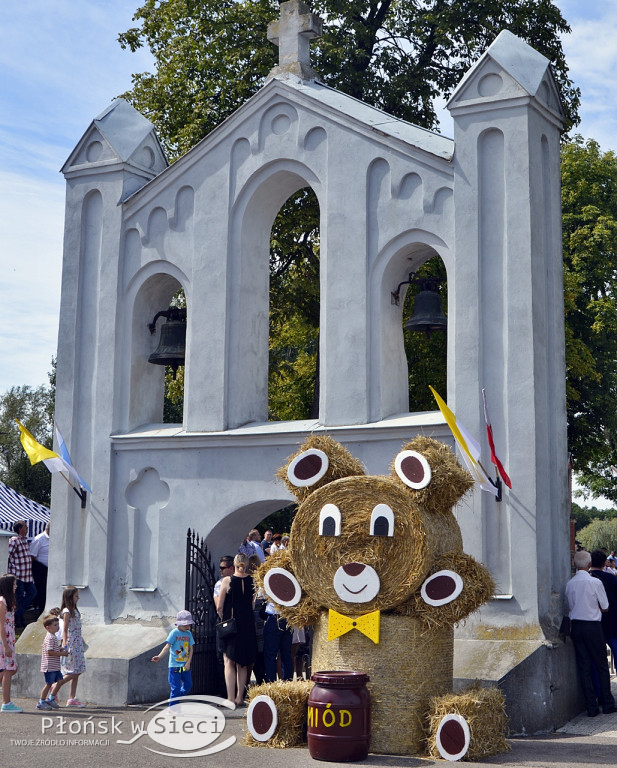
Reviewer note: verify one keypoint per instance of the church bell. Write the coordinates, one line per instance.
(172, 341)
(427, 314)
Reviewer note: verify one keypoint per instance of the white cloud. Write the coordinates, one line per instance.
(591, 55)
(31, 235)
(61, 65)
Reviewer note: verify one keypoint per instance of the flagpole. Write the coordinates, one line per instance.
(496, 483)
(82, 493)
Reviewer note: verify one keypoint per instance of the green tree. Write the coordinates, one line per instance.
(210, 57)
(589, 204)
(599, 534)
(399, 55)
(293, 382)
(279, 521)
(34, 408)
(585, 515)
(426, 355)
(173, 402)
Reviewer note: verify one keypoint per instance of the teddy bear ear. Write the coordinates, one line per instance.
(307, 468)
(413, 469)
(320, 461)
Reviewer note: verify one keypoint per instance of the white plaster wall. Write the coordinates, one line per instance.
(387, 205)
(507, 290)
(239, 177)
(219, 485)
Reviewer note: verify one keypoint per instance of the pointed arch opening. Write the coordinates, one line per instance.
(405, 362)
(293, 367)
(426, 352)
(280, 313)
(156, 397)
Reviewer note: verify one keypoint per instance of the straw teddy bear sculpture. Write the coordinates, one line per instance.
(376, 566)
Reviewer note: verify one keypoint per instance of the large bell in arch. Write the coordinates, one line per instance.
(172, 342)
(428, 313)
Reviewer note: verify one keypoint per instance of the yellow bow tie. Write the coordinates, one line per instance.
(339, 625)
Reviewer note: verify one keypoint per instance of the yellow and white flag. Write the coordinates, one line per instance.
(37, 452)
(470, 447)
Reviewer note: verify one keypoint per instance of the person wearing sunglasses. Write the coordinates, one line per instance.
(226, 565)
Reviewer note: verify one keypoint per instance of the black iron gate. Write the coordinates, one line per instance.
(198, 599)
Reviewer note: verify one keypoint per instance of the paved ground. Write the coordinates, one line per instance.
(93, 737)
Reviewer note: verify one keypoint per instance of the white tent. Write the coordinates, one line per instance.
(14, 506)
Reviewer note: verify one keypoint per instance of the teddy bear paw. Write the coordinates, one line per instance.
(441, 588)
(262, 718)
(282, 587)
(453, 737)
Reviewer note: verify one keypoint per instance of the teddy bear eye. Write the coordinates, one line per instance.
(330, 520)
(382, 521)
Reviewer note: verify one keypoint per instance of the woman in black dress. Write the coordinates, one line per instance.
(236, 599)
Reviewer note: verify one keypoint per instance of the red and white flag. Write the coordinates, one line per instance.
(494, 458)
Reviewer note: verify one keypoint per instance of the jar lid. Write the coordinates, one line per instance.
(343, 678)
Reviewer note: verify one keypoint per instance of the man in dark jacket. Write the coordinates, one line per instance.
(609, 618)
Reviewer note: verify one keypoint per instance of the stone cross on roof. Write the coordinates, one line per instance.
(292, 32)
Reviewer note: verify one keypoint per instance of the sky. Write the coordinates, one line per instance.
(61, 66)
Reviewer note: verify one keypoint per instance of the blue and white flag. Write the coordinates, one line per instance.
(64, 453)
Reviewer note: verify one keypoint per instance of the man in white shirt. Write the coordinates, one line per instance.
(587, 599)
(39, 549)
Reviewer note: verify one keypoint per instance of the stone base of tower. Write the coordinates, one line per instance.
(119, 670)
(538, 679)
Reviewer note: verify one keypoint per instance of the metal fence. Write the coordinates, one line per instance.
(199, 600)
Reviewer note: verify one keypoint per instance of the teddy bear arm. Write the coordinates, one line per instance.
(457, 586)
(277, 580)
(304, 614)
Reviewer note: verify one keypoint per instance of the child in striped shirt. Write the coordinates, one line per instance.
(50, 664)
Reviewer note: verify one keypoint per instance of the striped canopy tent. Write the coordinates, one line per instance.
(14, 506)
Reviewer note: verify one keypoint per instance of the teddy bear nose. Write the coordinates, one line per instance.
(353, 569)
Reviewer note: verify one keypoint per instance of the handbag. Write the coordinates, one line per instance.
(226, 628)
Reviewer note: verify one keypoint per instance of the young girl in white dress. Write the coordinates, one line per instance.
(74, 664)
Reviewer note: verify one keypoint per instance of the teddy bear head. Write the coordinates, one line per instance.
(361, 543)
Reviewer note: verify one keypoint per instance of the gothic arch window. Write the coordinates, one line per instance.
(275, 188)
(404, 363)
(426, 352)
(150, 383)
(293, 372)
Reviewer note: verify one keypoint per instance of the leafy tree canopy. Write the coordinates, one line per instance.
(599, 534)
(399, 55)
(210, 57)
(34, 408)
(585, 515)
(589, 203)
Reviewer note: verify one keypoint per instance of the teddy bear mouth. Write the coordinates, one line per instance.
(356, 583)
(357, 592)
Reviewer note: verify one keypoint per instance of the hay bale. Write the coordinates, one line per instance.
(341, 464)
(478, 589)
(406, 669)
(291, 700)
(484, 711)
(316, 558)
(449, 481)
